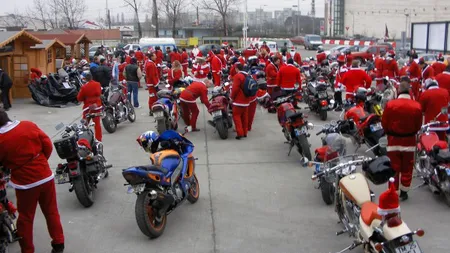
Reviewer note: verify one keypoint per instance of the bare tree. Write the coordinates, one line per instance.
(16, 19)
(172, 10)
(155, 20)
(222, 7)
(39, 12)
(72, 11)
(135, 6)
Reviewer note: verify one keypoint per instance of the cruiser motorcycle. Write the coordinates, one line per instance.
(8, 230)
(316, 96)
(85, 164)
(359, 214)
(165, 184)
(117, 108)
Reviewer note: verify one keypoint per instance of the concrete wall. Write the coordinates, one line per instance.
(368, 17)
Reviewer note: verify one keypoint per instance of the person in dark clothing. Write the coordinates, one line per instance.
(5, 86)
(284, 49)
(133, 75)
(103, 73)
(100, 51)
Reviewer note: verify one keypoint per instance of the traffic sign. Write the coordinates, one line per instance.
(347, 27)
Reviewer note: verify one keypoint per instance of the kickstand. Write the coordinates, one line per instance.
(290, 149)
(351, 247)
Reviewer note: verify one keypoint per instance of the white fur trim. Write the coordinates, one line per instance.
(439, 128)
(239, 104)
(400, 148)
(9, 126)
(392, 180)
(32, 185)
(405, 96)
(404, 188)
(187, 101)
(388, 211)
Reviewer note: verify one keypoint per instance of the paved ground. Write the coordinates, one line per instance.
(254, 198)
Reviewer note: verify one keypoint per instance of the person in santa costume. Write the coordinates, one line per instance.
(443, 80)
(415, 74)
(159, 56)
(231, 51)
(222, 57)
(176, 75)
(289, 76)
(90, 94)
(188, 97)
(200, 69)
(294, 55)
(355, 78)
(427, 71)
(121, 68)
(233, 71)
(196, 53)
(348, 58)
(25, 150)
(240, 103)
(152, 80)
(321, 55)
(264, 47)
(338, 87)
(390, 68)
(272, 74)
(402, 137)
(439, 66)
(184, 61)
(216, 69)
(432, 100)
(261, 78)
(388, 202)
(379, 67)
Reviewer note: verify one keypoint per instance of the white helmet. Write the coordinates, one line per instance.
(188, 80)
(83, 63)
(74, 61)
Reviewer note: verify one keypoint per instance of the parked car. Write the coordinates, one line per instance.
(205, 48)
(429, 58)
(388, 45)
(368, 52)
(298, 40)
(335, 51)
(129, 47)
(312, 42)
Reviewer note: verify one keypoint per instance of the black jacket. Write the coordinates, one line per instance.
(103, 75)
(5, 80)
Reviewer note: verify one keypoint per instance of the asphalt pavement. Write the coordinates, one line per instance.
(253, 196)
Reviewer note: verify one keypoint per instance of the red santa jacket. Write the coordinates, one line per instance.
(233, 72)
(139, 56)
(432, 100)
(288, 76)
(260, 94)
(200, 71)
(90, 94)
(427, 72)
(339, 75)
(356, 113)
(175, 75)
(390, 69)
(379, 65)
(121, 69)
(296, 55)
(151, 74)
(241, 60)
(194, 91)
(265, 47)
(237, 94)
(223, 61)
(216, 64)
(271, 75)
(443, 80)
(414, 72)
(321, 57)
(159, 57)
(174, 56)
(184, 59)
(349, 60)
(438, 67)
(25, 149)
(355, 78)
(128, 59)
(401, 136)
(35, 73)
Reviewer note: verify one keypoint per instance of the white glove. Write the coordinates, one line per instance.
(201, 72)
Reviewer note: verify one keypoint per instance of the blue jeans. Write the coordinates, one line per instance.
(133, 89)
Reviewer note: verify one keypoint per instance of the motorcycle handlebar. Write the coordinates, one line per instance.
(341, 166)
(321, 131)
(424, 127)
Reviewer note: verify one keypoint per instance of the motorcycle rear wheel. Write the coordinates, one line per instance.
(222, 129)
(161, 126)
(146, 217)
(323, 115)
(194, 191)
(84, 191)
(131, 113)
(304, 147)
(109, 122)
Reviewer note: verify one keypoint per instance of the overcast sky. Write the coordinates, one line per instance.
(97, 7)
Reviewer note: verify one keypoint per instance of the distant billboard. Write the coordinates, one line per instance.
(431, 36)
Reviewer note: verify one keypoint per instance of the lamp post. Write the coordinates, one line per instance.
(261, 12)
(297, 17)
(245, 28)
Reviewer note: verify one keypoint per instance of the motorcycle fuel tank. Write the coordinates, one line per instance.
(355, 188)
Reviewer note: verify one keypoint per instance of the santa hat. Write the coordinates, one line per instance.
(293, 49)
(421, 60)
(341, 58)
(389, 200)
(225, 44)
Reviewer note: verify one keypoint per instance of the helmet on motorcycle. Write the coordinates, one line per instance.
(146, 139)
(260, 75)
(74, 61)
(253, 61)
(360, 97)
(188, 80)
(83, 63)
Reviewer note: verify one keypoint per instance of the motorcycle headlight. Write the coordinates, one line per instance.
(310, 126)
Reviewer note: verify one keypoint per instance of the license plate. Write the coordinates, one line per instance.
(151, 95)
(62, 178)
(300, 131)
(216, 114)
(448, 172)
(412, 247)
(159, 114)
(136, 188)
(376, 127)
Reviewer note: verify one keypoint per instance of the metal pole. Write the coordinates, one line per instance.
(245, 25)
(353, 25)
(298, 17)
(330, 17)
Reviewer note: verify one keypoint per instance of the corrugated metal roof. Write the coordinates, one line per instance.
(6, 35)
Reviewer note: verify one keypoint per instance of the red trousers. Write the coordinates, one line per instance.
(240, 118)
(185, 69)
(415, 90)
(27, 201)
(403, 165)
(97, 127)
(216, 79)
(190, 114)
(152, 98)
(251, 114)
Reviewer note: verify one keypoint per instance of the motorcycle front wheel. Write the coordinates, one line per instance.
(131, 113)
(84, 191)
(327, 190)
(109, 123)
(161, 125)
(323, 115)
(194, 191)
(221, 128)
(146, 217)
(303, 147)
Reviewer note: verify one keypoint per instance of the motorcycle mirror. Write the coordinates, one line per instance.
(59, 126)
(304, 161)
(444, 110)
(310, 126)
(383, 142)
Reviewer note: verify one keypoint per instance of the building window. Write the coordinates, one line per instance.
(49, 56)
(338, 24)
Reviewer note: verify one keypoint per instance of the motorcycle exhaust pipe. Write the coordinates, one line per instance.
(162, 201)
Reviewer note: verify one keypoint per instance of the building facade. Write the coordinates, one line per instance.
(370, 18)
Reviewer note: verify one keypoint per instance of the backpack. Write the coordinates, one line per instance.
(250, 86)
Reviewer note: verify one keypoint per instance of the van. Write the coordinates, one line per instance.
(163, 43)
(129, 47)
(312, 42)
(271, 44)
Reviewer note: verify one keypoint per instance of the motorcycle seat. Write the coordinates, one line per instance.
(443, 156)
(153, 168)
(369, 213)
(293, 114)
(361, 120)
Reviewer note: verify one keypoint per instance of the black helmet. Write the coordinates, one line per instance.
(260, 75)
(379, 170)
(360, 97)
(233, 60)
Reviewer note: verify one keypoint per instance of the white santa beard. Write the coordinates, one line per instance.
(292, 53)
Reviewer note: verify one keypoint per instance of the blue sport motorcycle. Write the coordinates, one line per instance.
(165, 184)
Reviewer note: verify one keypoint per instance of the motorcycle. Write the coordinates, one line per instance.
(316, 96)
(432, 160)
(294, 126)
(117, 108)
(166, 110)
(85, 165)
(164, 185)
(359, 214)
(8, 230)
(219, 109)
(373, 103)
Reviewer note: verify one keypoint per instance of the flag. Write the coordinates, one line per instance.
(386, 33)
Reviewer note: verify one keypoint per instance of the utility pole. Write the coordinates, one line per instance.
(298, 17)
(198, 18)
(108, 15)
(330, 17)
(245, 28)
(313, 14)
